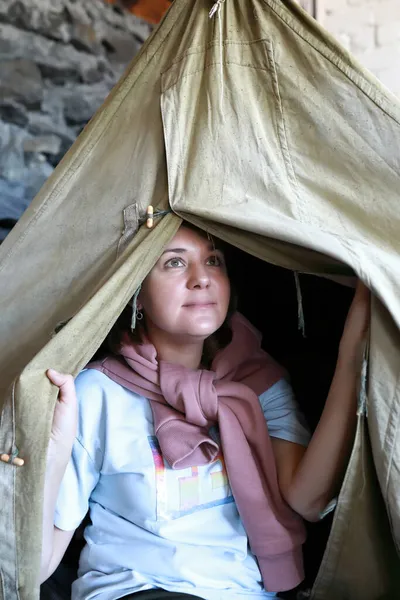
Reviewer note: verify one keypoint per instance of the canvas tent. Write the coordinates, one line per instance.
(258, 126)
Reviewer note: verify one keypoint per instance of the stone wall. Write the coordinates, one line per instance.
(58, 61)
(370, 29)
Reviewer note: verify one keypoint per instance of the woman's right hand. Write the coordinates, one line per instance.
(65, 418)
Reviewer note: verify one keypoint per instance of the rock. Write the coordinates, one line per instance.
(53, 103)
(12, 194)
(20, 80)
(12, 205)
(42, 16)
(84, 37)
(70, 21)
(121, 46)
(47, 144)
(77, 12)
(55, 60)
(36, 173)
(81, 101)
(41, 124)
(118, 19)
(113, 15)
(139, 29)
(12, 161)
(13, 112)
(82, 28)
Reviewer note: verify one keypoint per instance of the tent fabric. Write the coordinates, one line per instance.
(258, 126)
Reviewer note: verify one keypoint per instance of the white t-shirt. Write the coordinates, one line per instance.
(153, 526)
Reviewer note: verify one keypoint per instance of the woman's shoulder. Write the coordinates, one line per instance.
(96, 390)
(105, 406)
(93, 378)
(283, 415)
(280, 391)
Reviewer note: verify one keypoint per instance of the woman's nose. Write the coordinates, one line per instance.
(198, 278)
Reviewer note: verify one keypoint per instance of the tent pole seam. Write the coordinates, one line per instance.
(282, 136)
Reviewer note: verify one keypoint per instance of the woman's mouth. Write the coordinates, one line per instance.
(199, 304)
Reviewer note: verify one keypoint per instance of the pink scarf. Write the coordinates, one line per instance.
(185, 403)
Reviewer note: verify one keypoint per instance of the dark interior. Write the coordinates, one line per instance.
(267, 297)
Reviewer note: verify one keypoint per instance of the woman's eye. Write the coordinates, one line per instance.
(214, 261)
(174, 262)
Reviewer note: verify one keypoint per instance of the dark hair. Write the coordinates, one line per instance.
(215, 342)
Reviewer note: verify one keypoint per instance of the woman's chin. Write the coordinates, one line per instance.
(202, 328)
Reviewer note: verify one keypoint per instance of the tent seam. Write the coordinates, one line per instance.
(212, 64)
(393, 423)
(179, 137)
(14, 494)
(15, 545)
(9, 575)
(283, 140)
(202, 49)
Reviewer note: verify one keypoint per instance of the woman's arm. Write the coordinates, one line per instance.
(310, 478)
(54, 540)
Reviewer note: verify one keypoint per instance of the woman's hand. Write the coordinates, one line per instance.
(310, 479)
(65, 418)
(356, 327)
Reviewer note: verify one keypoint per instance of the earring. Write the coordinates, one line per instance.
(135, 311)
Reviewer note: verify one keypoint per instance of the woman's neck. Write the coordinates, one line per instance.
(187, 353)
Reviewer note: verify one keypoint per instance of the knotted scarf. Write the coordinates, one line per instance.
(186, 403)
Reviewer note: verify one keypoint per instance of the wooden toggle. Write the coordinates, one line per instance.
(150, 217)
(13, 460)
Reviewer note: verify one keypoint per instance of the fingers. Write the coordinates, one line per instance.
(65, 416)
(63, 381)
(357, 324)
(362, 290)
(362, 298)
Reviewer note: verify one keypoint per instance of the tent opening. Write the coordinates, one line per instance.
(268, 296)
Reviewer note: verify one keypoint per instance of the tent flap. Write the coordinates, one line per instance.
(360, 519)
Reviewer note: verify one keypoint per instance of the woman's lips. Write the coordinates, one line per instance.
(199, 304)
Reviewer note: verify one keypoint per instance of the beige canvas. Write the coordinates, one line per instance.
(258, 126)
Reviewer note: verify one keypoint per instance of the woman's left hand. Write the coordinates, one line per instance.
(310, 478)
(356, 327)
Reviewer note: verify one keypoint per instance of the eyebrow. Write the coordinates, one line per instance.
(177, 250)
(182, 250)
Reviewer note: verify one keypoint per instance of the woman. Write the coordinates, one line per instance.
(169, 452)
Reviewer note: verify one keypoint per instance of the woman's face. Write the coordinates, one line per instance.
(187, 292)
